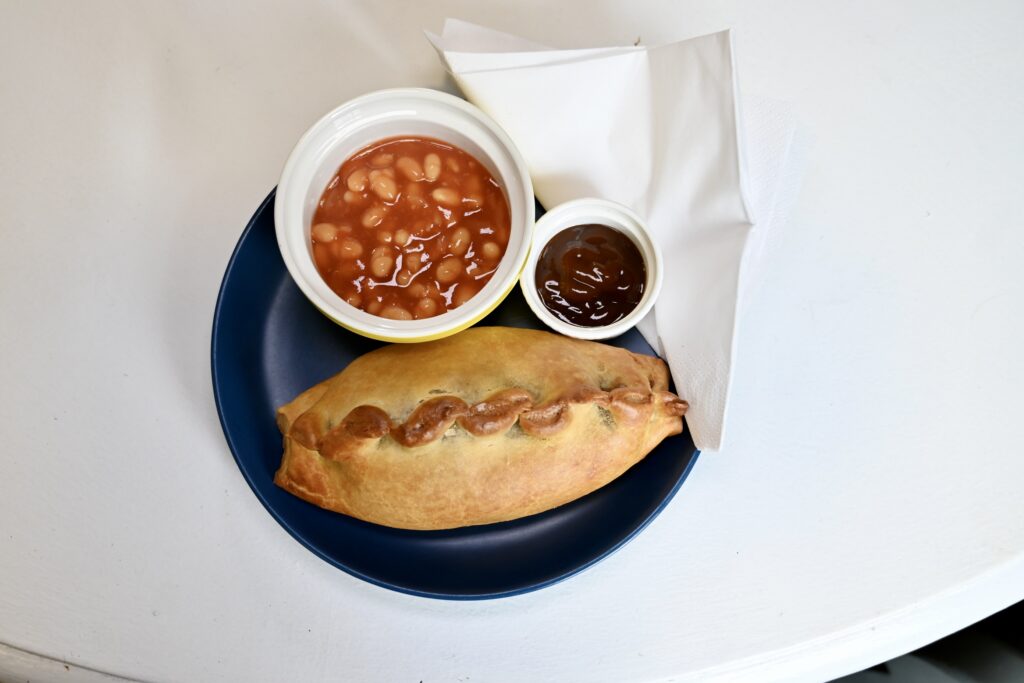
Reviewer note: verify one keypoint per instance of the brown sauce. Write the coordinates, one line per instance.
(590, 275)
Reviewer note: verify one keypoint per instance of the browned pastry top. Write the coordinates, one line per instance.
(495, 414)
(487, 425)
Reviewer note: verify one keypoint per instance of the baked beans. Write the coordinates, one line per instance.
(410, 227)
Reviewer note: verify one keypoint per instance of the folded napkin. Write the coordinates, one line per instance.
(657, 129)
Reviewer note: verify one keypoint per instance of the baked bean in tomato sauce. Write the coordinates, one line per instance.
(410, 227)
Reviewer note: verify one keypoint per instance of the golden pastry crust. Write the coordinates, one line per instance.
(485, 426)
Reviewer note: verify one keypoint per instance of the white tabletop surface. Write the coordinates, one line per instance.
(869, 498)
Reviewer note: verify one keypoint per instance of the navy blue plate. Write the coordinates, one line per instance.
(269, 344)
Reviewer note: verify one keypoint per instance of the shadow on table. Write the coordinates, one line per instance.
(991, 651)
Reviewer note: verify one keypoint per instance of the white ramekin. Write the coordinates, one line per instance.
(602, 212)
(364, 120)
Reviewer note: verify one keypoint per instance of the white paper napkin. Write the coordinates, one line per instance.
(656, 129)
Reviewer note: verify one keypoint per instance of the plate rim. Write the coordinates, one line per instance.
(492, 595)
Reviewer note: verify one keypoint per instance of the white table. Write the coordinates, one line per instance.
(869, 500)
